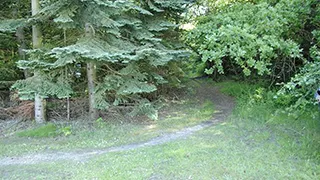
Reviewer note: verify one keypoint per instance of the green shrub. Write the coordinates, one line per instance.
(251, 38)
(298, 94)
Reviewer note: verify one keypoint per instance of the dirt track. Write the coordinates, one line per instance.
(224, 105)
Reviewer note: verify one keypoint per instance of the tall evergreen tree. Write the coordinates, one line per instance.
(39, 102)
(128, 42)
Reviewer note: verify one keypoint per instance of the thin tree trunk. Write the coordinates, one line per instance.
(91, 75)
(22, 46)
(66, 74)
(39, 102)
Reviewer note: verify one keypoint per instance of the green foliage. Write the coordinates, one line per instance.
(66, 130)
(252, 38)
(253, 101)
(100, 123)
(145, 107)
(8, 58)
(11, 25)
(12, 16)
(298, 94)
(12, 9)
(45, 85)
(9, 73)
(131, 42)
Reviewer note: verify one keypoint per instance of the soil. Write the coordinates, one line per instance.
(224, 106)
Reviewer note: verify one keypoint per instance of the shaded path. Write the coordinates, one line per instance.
(224, 105)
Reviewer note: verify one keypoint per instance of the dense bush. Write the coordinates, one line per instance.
(299, 92)
(278, 39)
(251, 38)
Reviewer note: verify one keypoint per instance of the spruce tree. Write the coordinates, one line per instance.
(128, 42)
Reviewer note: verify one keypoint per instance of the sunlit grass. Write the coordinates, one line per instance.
(220, 152)
(192, 114)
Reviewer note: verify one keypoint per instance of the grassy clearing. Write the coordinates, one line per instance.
(66, 136)
(255, 143)
(221, 152)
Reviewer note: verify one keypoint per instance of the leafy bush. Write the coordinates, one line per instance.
(299, 92)
(302, 87)
(251, 38)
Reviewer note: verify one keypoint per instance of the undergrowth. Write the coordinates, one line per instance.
(258, 111)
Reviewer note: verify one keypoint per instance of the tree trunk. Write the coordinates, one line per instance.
(66, 73)
(91, 75)
(39, 102)
(39, 109)
(22, 46)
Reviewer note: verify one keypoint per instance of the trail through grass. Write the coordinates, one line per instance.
(188, 111)
(253, 143)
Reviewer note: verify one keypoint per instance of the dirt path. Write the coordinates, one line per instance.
(224, 105)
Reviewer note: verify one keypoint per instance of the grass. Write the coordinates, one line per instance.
(256, 142)
(45, 131)
(66, 136)
(188, 116)
(256, 110)
(48, 130)
(220, 152)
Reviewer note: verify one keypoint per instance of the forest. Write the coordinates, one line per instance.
(160, 89)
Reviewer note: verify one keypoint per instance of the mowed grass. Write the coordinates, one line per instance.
(254, 143)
